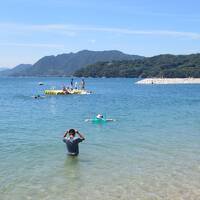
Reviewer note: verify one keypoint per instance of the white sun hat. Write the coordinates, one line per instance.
(99, 116)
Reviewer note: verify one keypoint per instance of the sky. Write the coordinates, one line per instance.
(31, 29)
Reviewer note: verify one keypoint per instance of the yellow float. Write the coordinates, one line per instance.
(61, 92)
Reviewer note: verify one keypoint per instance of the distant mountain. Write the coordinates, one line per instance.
(3, 69)
(169, 66)
(16, 71)
(67, 64)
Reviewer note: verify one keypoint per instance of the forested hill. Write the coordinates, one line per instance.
(16, 70)
(166, 65)
(3, 69)
(66, 64)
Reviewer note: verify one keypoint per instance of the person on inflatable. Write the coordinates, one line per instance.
(99, 116)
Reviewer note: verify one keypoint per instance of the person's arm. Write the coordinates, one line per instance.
(64, 140)
(110, 120)
(80, 135)
(88, 120)
(65, 134)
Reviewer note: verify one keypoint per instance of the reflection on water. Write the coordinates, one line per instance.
(72, 167)
(52, 105)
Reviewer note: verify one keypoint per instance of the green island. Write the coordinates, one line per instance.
(167, 66)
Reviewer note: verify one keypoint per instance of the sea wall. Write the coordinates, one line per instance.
(169, 81)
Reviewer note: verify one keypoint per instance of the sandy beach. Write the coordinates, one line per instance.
(169, 81)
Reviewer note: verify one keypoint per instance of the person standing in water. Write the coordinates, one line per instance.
(82, 84)
(72, 142)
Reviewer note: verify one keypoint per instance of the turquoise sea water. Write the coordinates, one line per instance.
(152, 151)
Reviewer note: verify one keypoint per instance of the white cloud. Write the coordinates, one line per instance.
(93, 41)
(72, 30)
(23, 28)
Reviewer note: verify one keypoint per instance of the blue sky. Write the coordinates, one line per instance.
(31, 29)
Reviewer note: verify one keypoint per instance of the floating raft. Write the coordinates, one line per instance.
(61, 92)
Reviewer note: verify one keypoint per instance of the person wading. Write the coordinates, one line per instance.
(72, 142)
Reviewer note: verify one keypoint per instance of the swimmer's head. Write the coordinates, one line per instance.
(99, 116)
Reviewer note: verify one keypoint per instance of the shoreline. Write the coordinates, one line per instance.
(169, 81)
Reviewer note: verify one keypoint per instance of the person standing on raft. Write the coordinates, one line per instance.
(72, 83)
(76, 85)
(72, 142)
(82, 84)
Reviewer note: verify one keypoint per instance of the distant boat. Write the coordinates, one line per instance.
(40, 83)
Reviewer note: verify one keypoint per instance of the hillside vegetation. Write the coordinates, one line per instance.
(168, 66)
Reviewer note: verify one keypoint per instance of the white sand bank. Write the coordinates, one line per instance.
(169, 81)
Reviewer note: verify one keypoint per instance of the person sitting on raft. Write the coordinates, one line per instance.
(65, 90)
(72, 142)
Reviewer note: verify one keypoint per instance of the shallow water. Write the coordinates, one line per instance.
(152, 151)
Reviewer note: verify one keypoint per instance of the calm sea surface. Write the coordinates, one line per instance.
(152, 151)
